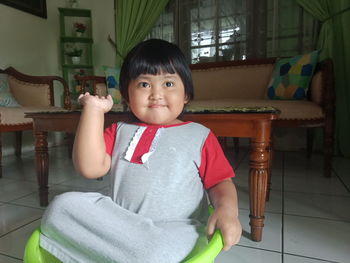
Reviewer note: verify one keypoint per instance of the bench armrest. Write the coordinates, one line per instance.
(36, 90)
(322, 89)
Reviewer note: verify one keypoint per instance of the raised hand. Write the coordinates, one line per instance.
(103, 103)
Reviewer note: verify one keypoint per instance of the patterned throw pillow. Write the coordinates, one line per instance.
(112, 80)
(291, 77)
(6, 98)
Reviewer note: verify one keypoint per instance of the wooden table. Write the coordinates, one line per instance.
(234, 123)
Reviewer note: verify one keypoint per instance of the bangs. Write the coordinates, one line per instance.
(153, 65)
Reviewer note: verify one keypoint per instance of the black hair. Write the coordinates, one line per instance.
(155, 56)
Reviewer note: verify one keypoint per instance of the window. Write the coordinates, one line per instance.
(217, 30)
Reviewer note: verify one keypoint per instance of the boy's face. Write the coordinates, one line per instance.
(157, 99)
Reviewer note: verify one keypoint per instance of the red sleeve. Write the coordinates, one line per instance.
(214, 166)
(109, 136)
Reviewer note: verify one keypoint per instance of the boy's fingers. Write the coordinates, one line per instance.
(109, 97)
(231, 238)
(211, 226)
(226, 247)
(228, 242)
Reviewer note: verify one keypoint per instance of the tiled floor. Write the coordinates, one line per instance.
(307, 217)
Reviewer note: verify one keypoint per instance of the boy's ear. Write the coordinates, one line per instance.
(187, 100)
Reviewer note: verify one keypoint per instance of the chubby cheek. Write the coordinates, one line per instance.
(136, 99)
(135, 108)
(180, 101)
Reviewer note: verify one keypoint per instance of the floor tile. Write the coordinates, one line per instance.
(5, 181)
(317, 205)
(300, 171)
(13, 244)
(299, 159)
(299, 259)
(241, 254)
(274, 205)
(272, 232)
(341, 167)
(12, 174)
(19, 168)
(60, 166)
(5, 259)
(317, 238)
(314, 184)
(13, 216)
(16, 189)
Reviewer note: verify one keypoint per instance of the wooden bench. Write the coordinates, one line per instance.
(34, 94)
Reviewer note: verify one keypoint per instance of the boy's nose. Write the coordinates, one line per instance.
(156, 93)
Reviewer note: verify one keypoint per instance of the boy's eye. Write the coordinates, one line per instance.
(169, 84)
(144, 85)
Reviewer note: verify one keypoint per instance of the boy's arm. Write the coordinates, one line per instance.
(223, 197)
(89, 151)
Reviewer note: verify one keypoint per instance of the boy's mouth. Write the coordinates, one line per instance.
(155, 106)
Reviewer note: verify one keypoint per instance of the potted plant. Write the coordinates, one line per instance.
(79, 29)
(75, 53)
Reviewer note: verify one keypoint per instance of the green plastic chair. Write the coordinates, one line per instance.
(35, 254)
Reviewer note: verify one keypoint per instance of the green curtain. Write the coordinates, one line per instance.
(334, 42)
(134, 20)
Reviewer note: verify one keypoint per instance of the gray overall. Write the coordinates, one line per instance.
(156, 210)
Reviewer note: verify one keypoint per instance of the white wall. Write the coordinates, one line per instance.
(31, 45)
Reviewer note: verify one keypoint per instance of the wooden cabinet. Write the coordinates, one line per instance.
(75, 46)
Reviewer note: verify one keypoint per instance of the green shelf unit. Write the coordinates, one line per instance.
(69, 40)
(75, 12)
(76, 40)
(72, 66)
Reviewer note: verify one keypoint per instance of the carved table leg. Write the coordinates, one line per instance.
(269, 170)
(258, 177)
(42, 166)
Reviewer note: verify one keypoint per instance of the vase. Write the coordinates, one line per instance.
(75, 60)
(78, 34)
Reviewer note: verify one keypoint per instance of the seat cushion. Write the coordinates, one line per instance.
(29, 94)
(15, 115)
(290, 109)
